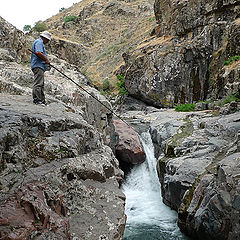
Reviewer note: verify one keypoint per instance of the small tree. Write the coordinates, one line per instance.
(27, 28)
(39, 26)
(62, 9)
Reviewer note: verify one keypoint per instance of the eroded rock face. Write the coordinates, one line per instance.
(54, 147)
(72, 52)
(34, 210)
(198, 171)
(214, 209)
(185, 61)
(126, 143)
(13, 42)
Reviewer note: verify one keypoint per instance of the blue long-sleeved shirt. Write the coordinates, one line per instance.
(36, 62)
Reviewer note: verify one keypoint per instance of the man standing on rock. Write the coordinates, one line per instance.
(39, 64)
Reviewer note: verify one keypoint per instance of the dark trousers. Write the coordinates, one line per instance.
(38, 86)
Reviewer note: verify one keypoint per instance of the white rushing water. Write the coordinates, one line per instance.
(147, 217)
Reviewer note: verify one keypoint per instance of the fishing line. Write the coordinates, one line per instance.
(84, 90)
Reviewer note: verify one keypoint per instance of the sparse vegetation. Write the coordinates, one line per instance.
(232, 59)
(230, 98)
(62, 9)
(151, 19)
(113, 49)
(39, 26)
(27, 28)
(70, 18)
(106, 86)
(121, 85)
(185, 107)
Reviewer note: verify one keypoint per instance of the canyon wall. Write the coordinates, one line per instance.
(183, 62)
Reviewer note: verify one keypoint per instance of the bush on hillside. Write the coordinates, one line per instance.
(70, 18)
(106, 86)
(121, 85)
(27, 28)
(232, 59)
(62, 9)
(39, 26)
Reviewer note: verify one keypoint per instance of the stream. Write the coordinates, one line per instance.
(147, 217)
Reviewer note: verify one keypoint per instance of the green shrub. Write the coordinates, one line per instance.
(39, 26)
(27, 28)
(229, 98)
(185, 107)
(121, 85)
(62, 9)
(151, 19)
(232, 59)
(70, 18)
(106, 86)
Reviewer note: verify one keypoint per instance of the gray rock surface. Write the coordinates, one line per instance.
(13, 41)
(58, 179)
(18, 79)
(55, 146)
(195, 156)
(198, 167)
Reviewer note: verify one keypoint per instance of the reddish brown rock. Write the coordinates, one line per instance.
(33, 210)
(128, 147)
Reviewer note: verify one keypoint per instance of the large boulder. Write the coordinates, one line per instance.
(126, 143)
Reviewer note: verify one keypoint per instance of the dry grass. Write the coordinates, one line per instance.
(112, 34)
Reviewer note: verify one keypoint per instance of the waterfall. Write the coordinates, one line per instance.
(147, 217)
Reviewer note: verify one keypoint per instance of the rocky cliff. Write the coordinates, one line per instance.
(58, 178)
(184, 61)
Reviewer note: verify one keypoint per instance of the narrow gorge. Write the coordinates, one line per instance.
(74, 170)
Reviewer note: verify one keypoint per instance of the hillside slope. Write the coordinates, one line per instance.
(101, 33)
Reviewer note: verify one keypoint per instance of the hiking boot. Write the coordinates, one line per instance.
(40, 103)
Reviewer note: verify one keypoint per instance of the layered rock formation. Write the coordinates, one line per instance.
(13, 43)
(198, 167)
(184, 62)
(58, 178)
(55, 146)
(56, 172)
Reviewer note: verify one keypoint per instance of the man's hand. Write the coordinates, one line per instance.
(44, 58)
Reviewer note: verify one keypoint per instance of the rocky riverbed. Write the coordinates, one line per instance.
(198, 166)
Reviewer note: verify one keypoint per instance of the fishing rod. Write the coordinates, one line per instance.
(83, 90)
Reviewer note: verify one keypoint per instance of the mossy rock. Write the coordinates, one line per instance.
(176, 140)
